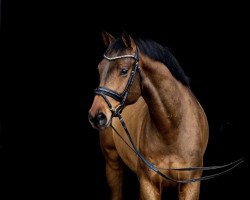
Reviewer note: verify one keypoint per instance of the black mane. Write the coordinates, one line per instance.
(158, 53)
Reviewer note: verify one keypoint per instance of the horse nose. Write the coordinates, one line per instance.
(99, 120)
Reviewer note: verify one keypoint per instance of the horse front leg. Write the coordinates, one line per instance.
(114, 164)
(148, 190)
(114, 174)
(189, 191)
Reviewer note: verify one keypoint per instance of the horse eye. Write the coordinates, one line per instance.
(123, 72)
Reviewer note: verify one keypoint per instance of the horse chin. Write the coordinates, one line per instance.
(102, 127)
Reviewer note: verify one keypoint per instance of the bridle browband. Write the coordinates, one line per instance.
(116, 112)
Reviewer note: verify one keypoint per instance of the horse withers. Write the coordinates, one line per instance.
(143, 86)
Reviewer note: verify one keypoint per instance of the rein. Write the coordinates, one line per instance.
(116, 112)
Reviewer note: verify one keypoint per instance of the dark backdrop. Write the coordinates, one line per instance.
(48, 73)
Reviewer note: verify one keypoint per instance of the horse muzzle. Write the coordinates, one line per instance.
(99, 121)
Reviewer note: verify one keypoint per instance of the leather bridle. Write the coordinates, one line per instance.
(116, 112)
(103, 91)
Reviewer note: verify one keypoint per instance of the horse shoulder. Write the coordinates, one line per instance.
(133, 116)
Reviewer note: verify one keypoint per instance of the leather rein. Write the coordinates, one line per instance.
(116, 112)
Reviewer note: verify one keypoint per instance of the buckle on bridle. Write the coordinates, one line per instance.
(116, 111)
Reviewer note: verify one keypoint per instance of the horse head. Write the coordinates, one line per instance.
(119, 83)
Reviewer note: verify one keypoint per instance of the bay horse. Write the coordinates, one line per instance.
(167, 123)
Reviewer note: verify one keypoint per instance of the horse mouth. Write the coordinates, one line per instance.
(101, 126)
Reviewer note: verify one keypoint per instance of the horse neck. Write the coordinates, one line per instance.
(163, 95)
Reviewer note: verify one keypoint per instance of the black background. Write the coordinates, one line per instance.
(48, 73)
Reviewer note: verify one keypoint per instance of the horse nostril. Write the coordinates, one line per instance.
(101, 119)
(98, 121)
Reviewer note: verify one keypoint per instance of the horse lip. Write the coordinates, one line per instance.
(105, 125)
(101, 127)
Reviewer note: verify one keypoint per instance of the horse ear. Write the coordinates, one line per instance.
(107, 38)
(128, 41)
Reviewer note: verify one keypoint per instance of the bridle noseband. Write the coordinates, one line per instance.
(116, 112)
(104, 92)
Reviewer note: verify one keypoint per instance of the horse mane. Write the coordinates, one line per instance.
(157, 52)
